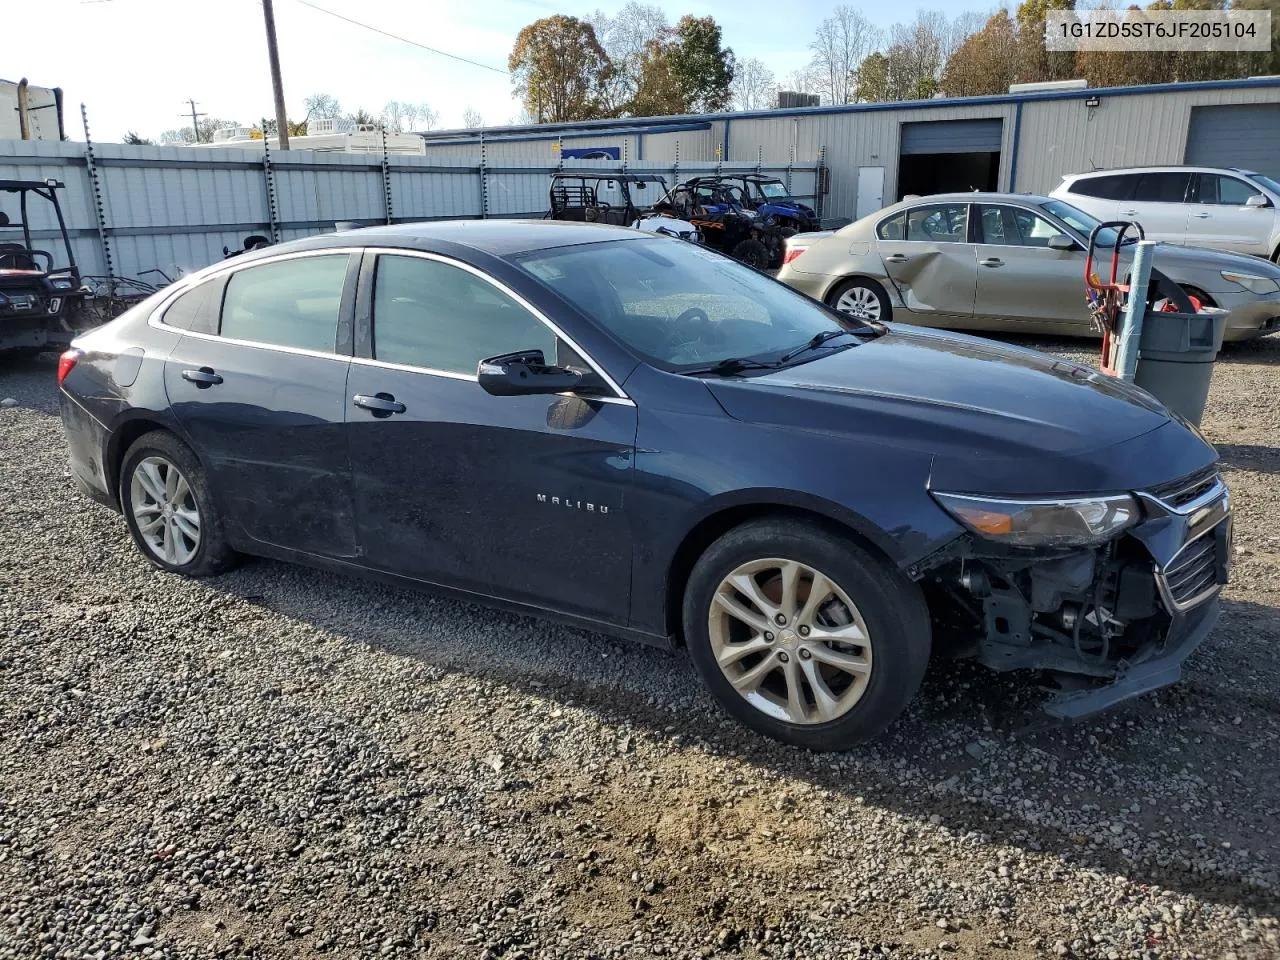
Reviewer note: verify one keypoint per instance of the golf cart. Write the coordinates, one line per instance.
(37, 298)
(767, 196)
(726, 224)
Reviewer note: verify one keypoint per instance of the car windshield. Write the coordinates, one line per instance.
(1083, 224)
(1266, 181)
(773, 190)
(683, 307)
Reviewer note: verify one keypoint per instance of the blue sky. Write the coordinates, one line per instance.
(133, 62)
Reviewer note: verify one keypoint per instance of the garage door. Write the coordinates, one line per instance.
(952, 136)
(1247, 135)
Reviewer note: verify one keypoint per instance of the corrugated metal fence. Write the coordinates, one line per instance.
(174, 209)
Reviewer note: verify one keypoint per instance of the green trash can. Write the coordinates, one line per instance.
(1176, 353)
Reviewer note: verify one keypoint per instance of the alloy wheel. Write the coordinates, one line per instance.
(860, 302)
(790, 641)
(165, 511)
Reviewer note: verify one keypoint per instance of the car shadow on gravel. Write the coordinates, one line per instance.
(974, 753)
(1257, 457)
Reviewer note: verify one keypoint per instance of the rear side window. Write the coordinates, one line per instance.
(437, 316)
(895, 228)
(1161, 188)
(1225, 191)
(291, 303)
(197, 309)
(1114, 187)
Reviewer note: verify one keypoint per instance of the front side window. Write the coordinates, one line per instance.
(289, 303)
(1225, 191)
(681, 306)
(1015, 227)
(1168, 187)
(440, 317)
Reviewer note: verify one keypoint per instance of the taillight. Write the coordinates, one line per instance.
(66, 362)
(792, 253)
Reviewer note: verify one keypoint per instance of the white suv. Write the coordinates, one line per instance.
(1218, 207)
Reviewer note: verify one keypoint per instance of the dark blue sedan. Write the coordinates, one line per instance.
(637, 435)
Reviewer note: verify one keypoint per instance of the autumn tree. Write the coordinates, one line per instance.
(1035, 63)
(754, 86)
(559, 69)
(840, 44)
(871, 80)
(686, 70)
(986, 62)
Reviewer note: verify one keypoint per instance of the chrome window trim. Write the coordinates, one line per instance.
(473, 378)
(923, 203)
(1038, 213)
(156, 317)
(619, 393)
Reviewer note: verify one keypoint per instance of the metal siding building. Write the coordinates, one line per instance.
(875, 152)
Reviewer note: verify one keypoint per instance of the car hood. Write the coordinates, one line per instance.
(1206, 258)
(974, 405)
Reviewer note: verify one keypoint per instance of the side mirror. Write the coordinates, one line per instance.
(1257, 200)
(1060, 241)
(526, 373)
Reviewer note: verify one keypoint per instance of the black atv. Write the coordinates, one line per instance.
(39, 299)
(604, 197)
(728, 226)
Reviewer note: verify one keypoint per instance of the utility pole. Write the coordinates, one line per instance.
(195, 121)
(273, 52)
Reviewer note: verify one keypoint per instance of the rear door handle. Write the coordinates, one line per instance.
(204, 378)
(1131, 213)
(896, 258)
(1201, 216)
(380, 404)
(991, 262)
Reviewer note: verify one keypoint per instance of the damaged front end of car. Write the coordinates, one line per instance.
(1106, 595)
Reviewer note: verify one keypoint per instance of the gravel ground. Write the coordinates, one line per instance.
(285, 763)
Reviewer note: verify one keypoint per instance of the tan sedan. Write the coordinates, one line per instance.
(1006, 262)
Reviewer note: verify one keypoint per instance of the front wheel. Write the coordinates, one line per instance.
(861, 299)
(804, 636)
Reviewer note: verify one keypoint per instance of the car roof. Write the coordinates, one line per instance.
(1156, 168)
(973, 196)
(499, 238)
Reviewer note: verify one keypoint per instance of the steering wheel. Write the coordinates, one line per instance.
(692, 325)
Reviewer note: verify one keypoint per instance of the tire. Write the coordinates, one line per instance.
(753, 253)
(1204, 298)
(162, 482)
(868, 678)
(862, 298)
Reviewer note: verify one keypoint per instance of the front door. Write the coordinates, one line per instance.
(927, 255)
(1019, 276)
(1221, 216)
(262, 401)
(522, 498)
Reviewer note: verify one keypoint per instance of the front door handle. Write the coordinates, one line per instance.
(896, 258)
(380, 404)
(1131, 213)
(204, 378)
(991, 262)
(1201, 216)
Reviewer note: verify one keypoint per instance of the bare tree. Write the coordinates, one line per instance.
(392, 117)
(917, 55)
(427, 117)
(753, 85)
(410, 116)
(471, 118)
(839, 46)
(624, 38)
(322, 106)
(802, 81)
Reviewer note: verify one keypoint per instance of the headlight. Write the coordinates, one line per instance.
(1041, 523)
(1252, 282)
(61, 284)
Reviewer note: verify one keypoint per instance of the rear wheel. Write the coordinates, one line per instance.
(804, 636)
(168, 508)
(753, 253)
(861, 298)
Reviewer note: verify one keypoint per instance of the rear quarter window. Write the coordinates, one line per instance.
(1115, 187)
(197, 309)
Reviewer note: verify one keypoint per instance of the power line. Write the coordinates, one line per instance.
(415, 43)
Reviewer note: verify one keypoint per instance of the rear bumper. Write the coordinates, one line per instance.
(87, 441)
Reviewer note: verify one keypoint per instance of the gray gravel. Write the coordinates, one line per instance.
(284, 763)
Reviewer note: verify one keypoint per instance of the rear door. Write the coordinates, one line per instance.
(1221, 218)
(927, 255)
(1019, 276)
(515, 497)
(1160, 204)
(259, 388)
